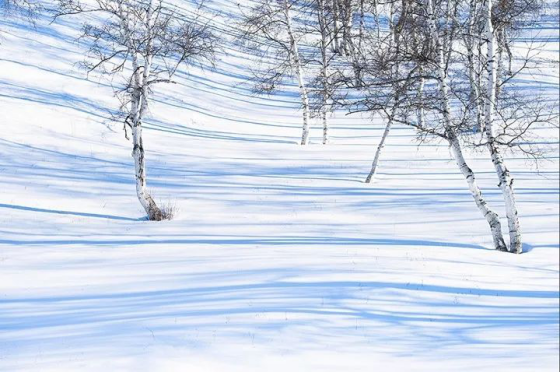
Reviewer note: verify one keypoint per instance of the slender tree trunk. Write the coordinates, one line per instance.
(504, 176)
(507, 49)
(152, 210)
(139, 106)
(506, 185)
(480, 64)
(443, 83)
(296, 62)
(391, 21)
(324, 71)
(336, 24)
(362, 24)
(379, 150)
(492, 217)
(472, 65)
(420, 114)
(325, 121)
(377, 21)
(148, 203)
(389, 125)
(347, 27)
(500, 65)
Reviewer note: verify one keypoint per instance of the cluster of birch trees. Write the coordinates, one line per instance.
(446, 68)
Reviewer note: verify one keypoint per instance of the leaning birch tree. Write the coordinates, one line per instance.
(507, 118)
(448, 70)
(421, 55)
(393, 45)
(451, 130)
(493, 69)
(374, 57)
(144, 42)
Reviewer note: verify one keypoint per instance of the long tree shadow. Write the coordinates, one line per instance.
(248, 241)
(325, 307)
(69, 213)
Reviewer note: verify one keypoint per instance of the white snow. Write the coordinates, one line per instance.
(281, 258)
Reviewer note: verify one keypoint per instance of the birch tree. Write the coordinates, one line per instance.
(504, 176)
(325, 62)
(271, 34)
(450, 128)
(325, 84)
(418, 52)
(324, 91)
(144, 43)
(379, 54)
(393, 45)
(336, 26)
(445, 68)
(502, 105)
(347, 15)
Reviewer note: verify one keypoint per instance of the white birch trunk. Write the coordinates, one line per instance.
(472, 66)
(504, 176)
(492, 218)
(144, 196)
(347, 28)
(325, 121)
(142, 193)
(362, 24)
(443, 84)
(324, 70)
(381, 146)
(139, 106)
(336, 24)
(500, 64)
(296, 62)
(480, 66)
(379, 150)
(392, 25)
(376, 18)
(420, 114)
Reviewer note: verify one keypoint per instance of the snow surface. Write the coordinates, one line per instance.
(281, 258)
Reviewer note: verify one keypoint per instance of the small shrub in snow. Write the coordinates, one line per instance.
(166, 212)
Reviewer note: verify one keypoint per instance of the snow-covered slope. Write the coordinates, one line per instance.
(280, 258)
